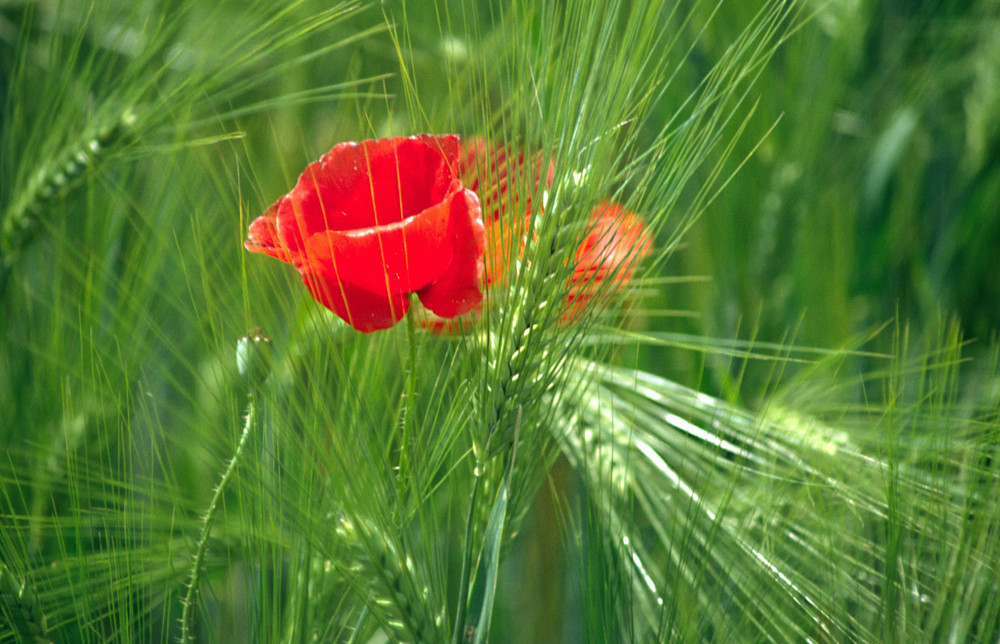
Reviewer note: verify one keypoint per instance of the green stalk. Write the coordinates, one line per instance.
(206, 526)
(24, 216)
(19, 604)
(463, 587)
(408, 409)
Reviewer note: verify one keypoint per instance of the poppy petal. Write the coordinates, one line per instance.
(616, 240)
(361, 309)
(457, 290)
(397, 258)
(372, 183)
(263, 235)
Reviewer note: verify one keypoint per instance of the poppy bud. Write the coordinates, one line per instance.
(254, 355)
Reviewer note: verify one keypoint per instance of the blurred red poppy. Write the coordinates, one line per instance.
(372, 222)
(616, 239)
(504, 182)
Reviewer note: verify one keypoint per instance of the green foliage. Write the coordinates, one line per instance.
(769, 434)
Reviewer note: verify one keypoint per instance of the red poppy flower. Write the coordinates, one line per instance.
(372, 222)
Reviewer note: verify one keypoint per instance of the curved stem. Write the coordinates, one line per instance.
(206, 524)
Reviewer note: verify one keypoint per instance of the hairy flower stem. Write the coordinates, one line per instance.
(206, 524)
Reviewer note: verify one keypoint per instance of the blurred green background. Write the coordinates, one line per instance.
(867, 193)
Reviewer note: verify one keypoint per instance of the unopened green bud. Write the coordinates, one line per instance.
(254, 355)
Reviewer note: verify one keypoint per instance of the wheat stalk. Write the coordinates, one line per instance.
(19, 603)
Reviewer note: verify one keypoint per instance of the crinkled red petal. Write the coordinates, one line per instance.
(263, 235)
(397, 258)
(367, 184)
(361, 309)
(458, 289)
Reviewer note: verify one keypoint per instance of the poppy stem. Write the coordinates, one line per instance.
(190, 595)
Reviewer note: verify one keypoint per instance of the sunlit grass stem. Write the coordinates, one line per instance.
(409, 407)
(463, 586)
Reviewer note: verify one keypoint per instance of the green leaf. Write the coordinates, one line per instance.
(485, 584)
